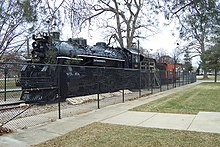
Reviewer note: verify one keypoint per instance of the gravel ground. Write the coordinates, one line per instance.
(67, 110)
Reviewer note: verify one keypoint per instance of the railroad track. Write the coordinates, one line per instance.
(12, 105)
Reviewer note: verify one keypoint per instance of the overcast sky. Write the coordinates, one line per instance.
(165, 39)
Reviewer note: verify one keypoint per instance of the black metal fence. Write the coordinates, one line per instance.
(48, 85)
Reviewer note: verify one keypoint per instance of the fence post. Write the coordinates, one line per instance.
(123, 95)
(148, 83)
(160, 72)
(167, 80)
(145, 80)
(5, 82)
(139, 82)
(59, 94)
(173, 79)
(59, 108)
(98, 95)
(152, 80)
(188, 77)
(183, 77)
(216, 74)
(123, 85)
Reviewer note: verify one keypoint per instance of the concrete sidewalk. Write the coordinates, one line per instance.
(117, 114)
(202, 122)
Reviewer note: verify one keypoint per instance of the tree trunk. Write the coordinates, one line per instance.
(205, 75)
(205, 69)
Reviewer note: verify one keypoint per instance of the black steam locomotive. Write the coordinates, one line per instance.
(66, 68)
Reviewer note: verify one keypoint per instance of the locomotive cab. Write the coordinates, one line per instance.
(136, 58)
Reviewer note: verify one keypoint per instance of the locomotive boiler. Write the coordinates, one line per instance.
(72, 68)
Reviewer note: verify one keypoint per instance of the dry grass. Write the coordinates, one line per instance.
(107, 135)
(203, 97)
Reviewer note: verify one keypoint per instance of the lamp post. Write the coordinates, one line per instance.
(175, 73)
(174, 68)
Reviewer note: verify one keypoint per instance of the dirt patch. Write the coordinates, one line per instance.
(135, 98)
(4, 130)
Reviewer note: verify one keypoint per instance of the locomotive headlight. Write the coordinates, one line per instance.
(37, 54)
(35, 45)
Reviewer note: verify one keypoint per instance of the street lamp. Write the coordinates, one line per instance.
(174, 67)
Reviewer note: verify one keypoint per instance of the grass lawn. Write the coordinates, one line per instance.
(106, 135)
(10, 84)
(203, 97)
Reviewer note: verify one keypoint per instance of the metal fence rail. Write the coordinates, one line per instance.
(105, 86)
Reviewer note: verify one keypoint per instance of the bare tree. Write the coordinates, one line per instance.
(52, 17)
(125, 20)
(59, 14)
(15, 20)
(75, 11)
(19, 19)
(197, 19)
(159, 54)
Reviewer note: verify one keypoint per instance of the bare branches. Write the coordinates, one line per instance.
(14, 16)
(182, 8)
(125, 18)
(77, 14)
(197, 20)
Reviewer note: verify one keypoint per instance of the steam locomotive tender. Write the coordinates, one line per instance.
(43, 77)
